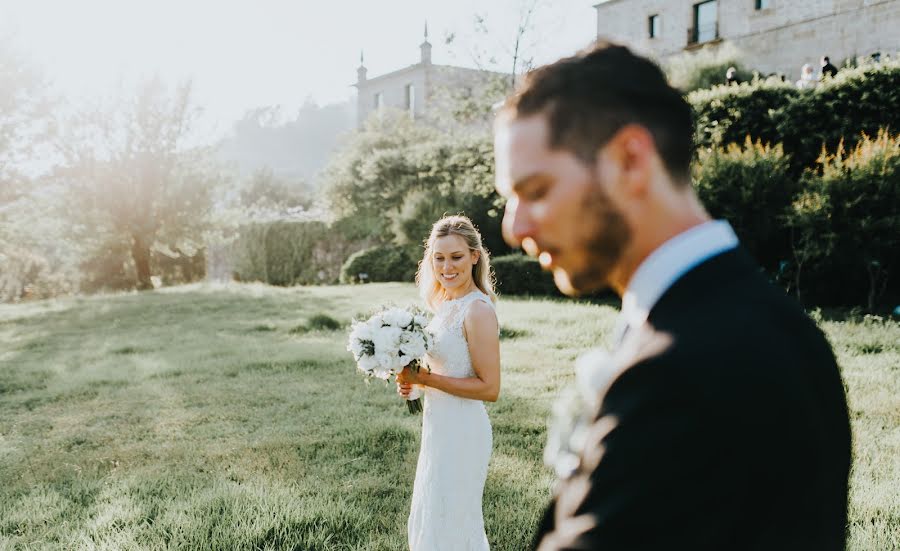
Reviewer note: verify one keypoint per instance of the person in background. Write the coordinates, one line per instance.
(807, 77)
(828, 68)
(731, 76)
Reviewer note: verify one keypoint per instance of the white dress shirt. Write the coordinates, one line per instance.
(665, 265)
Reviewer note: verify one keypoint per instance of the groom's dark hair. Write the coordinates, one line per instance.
(588, 97)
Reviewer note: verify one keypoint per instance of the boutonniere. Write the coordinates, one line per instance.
(573, 412)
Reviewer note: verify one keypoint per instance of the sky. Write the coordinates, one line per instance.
(245, 54)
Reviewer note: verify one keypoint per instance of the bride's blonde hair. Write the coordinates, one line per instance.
(430, 288)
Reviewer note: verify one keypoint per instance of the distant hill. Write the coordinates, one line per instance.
(294, 149)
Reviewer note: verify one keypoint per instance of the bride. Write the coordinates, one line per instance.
(454, 279)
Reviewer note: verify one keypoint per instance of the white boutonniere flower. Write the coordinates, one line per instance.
(574, 410)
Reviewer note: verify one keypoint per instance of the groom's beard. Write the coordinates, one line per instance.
(605, 236)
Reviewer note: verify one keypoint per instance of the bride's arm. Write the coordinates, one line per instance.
(481, 331)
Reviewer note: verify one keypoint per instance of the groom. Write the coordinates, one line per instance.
(720, 420)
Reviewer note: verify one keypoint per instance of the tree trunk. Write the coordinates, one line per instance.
(140, 253)
(878, 278)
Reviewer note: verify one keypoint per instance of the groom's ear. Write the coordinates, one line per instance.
(627, 160)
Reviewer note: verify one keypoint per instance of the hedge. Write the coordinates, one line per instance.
(517, 274)
(859, 100)
(290, 253)
(728, 114)
(846, 225)
(379, 263)
(750, 186)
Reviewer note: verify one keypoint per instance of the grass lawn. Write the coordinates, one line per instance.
(214, 417)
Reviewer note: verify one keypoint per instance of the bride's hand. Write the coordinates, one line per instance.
(408, 377)
(403, 389)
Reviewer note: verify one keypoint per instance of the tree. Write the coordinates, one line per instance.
(135, 183)
(516, 49)
(29, 232)
(502, 55)
(266, 190)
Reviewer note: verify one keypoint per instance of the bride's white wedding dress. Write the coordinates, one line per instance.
(456, 447)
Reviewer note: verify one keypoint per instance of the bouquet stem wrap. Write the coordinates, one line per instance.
(414, 400)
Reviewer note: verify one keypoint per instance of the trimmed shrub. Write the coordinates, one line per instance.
(728, 114)
(751, 187)
(847, 223)
(857, 101)
(290, 253)
(379, 263)
(518, 274)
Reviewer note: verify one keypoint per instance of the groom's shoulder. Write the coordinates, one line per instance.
(754, 348)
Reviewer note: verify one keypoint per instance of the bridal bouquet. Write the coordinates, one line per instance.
(391, 339)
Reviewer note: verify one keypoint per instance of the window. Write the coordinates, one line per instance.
(379, 100)
(763, 4)
(653, 25)
(706, 22)
(411, 98)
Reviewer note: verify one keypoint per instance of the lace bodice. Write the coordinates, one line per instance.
(451, 351)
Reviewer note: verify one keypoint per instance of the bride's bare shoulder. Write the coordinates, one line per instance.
(481, 317)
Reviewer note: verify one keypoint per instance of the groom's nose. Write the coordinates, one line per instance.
(517, 225)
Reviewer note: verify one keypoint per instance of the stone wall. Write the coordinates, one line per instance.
(778, 39)
(393, 87)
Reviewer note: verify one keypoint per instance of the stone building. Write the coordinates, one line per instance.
(772, 36)
(419, 89)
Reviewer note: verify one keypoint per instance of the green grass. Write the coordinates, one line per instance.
(201, 417)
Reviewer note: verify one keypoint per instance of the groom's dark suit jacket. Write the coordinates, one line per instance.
(724, 427)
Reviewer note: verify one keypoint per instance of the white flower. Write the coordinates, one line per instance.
(387, 340)
(376, 321)
(398, 317)
(421, 320)
(412, 344)
(367, 364)
(573, 412)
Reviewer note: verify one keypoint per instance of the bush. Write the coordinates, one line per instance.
(379, 263)
(857, 101)
(705, 68)
(847, 222)
(728, 114)
(290, 252)
(318, 322)
(517, 274)
(751, 187)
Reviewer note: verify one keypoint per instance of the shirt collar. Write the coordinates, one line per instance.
(669, 262)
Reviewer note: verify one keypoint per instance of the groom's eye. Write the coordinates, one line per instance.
(534, 193)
